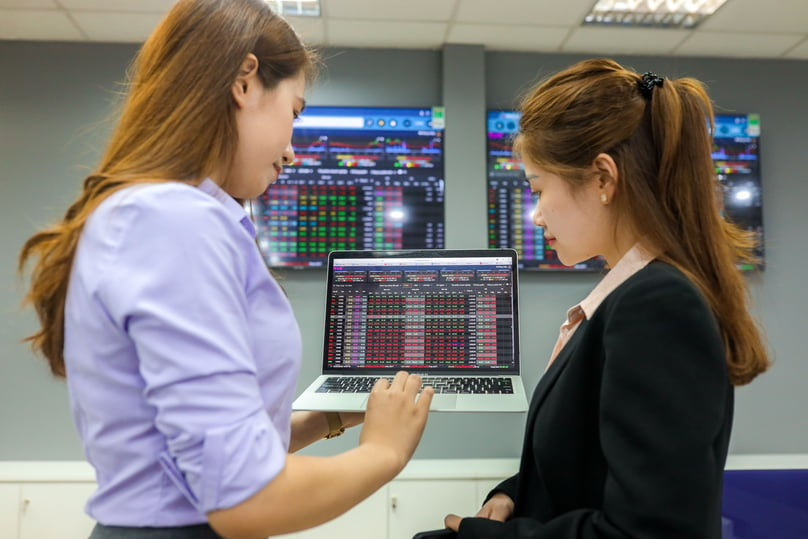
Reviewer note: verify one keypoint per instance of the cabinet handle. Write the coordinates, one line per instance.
(25, 503)
(393, 502)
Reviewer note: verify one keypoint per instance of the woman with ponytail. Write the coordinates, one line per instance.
(628, 429)
(180, 351)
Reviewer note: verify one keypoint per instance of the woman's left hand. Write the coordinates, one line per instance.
(309, 426)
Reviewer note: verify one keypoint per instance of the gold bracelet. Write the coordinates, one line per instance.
(335, 427)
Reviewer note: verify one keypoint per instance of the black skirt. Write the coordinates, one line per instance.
(200, 531)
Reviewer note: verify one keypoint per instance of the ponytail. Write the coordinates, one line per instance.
(658, 131)
(707, 247)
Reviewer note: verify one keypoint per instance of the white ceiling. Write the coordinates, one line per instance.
(741, 28)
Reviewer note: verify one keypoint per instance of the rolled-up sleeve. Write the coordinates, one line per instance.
(176, 285)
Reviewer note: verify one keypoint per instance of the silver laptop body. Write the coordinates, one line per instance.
(449, 315)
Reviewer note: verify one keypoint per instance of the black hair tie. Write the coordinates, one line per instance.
(647, 82)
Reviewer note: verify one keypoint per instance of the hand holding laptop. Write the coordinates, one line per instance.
(396, 416)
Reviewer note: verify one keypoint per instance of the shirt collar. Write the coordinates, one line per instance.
(633, 261)
(232, 207)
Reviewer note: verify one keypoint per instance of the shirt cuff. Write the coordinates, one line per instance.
(228, 465)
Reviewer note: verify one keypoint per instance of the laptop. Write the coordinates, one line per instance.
(449, 315)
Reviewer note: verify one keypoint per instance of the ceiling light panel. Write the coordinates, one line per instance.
(296, 8)
(652, 13)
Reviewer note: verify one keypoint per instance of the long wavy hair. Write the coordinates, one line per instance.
(668, 191)
(177, 123)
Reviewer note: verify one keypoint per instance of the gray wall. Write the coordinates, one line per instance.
(54, 99)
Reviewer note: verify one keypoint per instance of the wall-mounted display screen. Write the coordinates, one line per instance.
(736, 145)
(736, 154)
(510, 203)
(363, 178)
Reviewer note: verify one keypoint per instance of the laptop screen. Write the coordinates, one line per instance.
(431, 310)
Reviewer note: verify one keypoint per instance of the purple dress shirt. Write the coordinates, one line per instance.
(182, 356)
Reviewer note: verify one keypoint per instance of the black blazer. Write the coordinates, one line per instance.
(628, 430)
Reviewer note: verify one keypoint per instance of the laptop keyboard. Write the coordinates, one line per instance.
(478, 385)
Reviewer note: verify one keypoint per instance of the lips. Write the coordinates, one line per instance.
(278, 171)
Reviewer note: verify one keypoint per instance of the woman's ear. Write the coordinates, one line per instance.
(605, 169)
(246, 79)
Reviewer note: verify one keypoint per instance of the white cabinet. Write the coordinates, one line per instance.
(419, 504)
(404, 507)
(9, 510)
(368, 520)
(41, 500)
(55, 510)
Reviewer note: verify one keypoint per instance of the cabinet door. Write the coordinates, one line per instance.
(9, 510)
(55, 510)
(368, 520)
(418, 505)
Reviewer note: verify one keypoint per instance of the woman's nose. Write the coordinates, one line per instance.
(288, 156)
(536, 216)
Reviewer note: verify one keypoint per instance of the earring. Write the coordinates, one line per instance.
(604, 198)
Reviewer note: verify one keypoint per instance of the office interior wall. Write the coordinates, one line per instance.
(54, 98)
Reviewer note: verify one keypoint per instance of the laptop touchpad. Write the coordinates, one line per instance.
(443, 402)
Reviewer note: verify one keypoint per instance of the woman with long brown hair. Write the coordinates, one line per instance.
(628, 429)
(180, 350)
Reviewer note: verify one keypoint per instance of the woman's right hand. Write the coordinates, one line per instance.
(311, 490)
(498, 507)
(395, 420)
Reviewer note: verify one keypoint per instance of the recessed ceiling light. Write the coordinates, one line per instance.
(296, 8)
(652, 13)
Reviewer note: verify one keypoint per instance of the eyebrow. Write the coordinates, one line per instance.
(531, 177)
(302, 104)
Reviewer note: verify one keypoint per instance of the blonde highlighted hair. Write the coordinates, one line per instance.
(177, 123)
